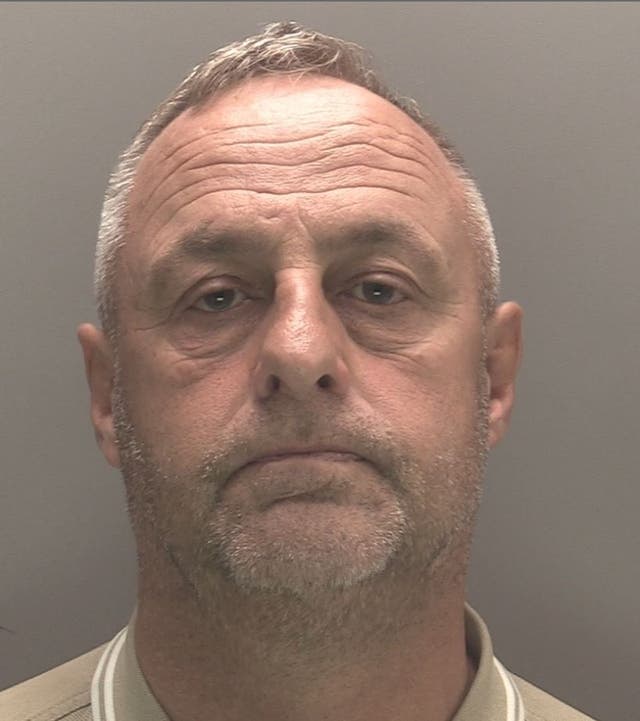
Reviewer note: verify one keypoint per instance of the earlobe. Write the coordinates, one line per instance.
(99, 371)
(504, 356)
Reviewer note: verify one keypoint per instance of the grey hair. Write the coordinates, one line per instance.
(282, 48)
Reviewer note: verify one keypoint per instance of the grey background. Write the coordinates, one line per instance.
(543, 101)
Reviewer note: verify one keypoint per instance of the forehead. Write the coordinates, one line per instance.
(293, 107)
(323, 145)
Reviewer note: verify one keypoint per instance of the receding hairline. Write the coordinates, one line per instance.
(294, 80)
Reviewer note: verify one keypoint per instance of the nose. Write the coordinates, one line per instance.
(303, 346)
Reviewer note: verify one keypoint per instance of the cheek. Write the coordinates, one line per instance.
(180, 402)
(425, 391)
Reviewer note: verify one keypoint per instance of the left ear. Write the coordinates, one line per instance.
(504, 356)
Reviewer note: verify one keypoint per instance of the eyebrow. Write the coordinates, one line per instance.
(206, 244)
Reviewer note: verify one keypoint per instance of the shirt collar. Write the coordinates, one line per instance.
(119, 691)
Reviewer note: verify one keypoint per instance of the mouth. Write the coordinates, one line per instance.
(308, 477)
(304, 498)
(333, 456)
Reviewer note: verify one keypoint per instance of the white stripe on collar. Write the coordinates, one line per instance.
(102, 688)
(515, 705)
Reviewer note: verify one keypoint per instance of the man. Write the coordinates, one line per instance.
(301, 369)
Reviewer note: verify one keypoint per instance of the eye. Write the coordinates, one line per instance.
(379, 292)
(217, 300)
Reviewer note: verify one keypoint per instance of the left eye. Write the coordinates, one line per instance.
(216, 300)
(379, 291)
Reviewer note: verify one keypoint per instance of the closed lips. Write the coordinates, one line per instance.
(324, 455)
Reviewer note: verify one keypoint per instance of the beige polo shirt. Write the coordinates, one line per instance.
(107, 684)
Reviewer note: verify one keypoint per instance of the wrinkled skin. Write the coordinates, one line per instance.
(252, 608)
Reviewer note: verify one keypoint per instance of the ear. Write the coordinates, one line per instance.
(99, 369)
(504, 355)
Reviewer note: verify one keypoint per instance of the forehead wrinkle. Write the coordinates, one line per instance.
(194, 114)
(416, 141)
(366, 123)
(167, 157)
(213, 130)
(272, 182)
(301, 193)
(376, 143)
(205, 136)
(316, 171)
(323, 158)
(209, 130)
(329, 145)
(322, 133)
(422, 163)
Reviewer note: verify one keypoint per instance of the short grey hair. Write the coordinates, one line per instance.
(282, 48)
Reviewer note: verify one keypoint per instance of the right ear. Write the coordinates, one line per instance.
(99, 369)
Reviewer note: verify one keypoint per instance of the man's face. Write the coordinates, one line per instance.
(343, 312)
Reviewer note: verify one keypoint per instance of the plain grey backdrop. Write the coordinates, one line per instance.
(543, 100)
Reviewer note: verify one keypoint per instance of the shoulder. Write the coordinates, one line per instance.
(542, 706)
(64, 692)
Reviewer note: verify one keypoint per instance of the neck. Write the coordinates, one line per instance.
(388, 651)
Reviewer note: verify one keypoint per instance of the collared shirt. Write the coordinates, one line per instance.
(107, 684)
